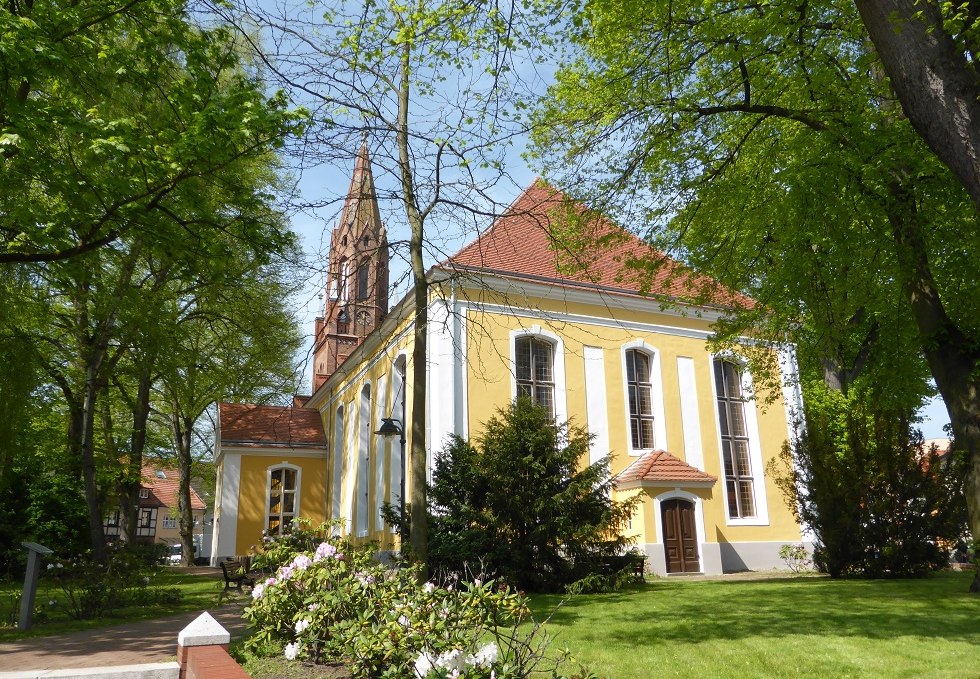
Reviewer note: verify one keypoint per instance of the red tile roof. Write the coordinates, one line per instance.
(658, 467)
(245, 424)
(163, 490)
(546, 235)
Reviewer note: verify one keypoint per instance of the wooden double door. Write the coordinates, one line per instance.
(680, 536)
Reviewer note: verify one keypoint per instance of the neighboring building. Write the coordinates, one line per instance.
(516, 313)
(156, 519)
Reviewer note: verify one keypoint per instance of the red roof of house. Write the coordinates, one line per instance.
(546, 235)
(660, 467)
(163, 484)
(245, 424)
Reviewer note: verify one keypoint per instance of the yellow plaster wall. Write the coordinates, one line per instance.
(347, 392)
(252, 492)
(489, 386)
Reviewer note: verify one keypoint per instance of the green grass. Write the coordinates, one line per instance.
(784, 627)
(200, 592)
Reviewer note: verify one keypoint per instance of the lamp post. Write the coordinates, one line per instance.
(390, 427)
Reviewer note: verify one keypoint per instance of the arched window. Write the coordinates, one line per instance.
(397, 465)
(639, 391)
(338, 463)
(344, 270)
(363, 277)
(363, 461)
(735, 450)
(535, 372)
(283, 498)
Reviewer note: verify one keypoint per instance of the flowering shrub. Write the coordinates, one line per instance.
(335, 603)
(796, 557)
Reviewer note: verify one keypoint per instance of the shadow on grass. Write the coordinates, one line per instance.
(672, 611)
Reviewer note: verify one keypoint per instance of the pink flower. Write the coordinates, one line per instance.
(324, 551)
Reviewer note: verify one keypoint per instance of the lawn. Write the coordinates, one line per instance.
(198, 593)
(783, 627)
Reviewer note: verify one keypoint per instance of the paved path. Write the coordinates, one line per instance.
(145, 641)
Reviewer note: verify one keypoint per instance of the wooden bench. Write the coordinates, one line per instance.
(235, 572)
(636, 563)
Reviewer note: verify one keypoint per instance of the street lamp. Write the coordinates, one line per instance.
(390, 427)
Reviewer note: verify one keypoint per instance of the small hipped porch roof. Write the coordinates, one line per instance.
(660, 469)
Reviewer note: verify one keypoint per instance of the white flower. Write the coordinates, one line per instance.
(285, 572)
(478, 582)
(454, 674)
(301, 625)
(453, 659)
(486, 656)
(404, 621)
(312, 607)
(493, 673)
(51, 602)
(428, 587)
(291, 651)
(50, 566)
(423, 664)
(146, 580)
(257, 591)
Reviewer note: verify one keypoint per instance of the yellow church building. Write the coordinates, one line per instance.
(518, 312)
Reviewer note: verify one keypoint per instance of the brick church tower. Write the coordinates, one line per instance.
(357, 280)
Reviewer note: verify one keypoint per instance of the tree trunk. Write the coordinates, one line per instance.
(937, 88)
(952, 355)
(129, 489)
(417, 496)
(86, 443)
(183, 428)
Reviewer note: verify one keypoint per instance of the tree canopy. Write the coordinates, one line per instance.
(766, 146)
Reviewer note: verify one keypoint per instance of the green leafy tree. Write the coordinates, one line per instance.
(232, 337)
(772, 151)
(520, 505)
(879, 503)
(106, 109)
(433, 86)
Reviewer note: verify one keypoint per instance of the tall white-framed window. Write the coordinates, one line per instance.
(639, 398)
(338, 463)
(644, 398)
(538, 366)
(396, 466)
(535, 364)
(379, 455)
(282, 497)
(363, 462)
(738, 435)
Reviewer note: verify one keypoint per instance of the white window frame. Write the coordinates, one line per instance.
(337, 451)
(170, 522)
(268, 492)
(761, 517)
(558, 366)
(362, 481)
(396, 464)
(656, 397)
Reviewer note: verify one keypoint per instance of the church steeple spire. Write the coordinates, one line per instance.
(357, 280)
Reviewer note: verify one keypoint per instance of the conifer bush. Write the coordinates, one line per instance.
(520, 505)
